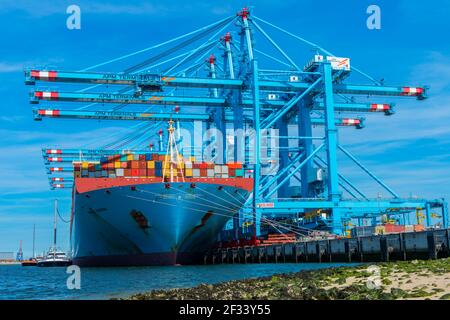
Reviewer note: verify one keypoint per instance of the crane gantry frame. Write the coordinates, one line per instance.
(238, 93)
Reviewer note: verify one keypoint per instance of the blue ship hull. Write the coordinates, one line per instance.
(151, 224)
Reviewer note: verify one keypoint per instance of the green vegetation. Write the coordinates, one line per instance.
(397, 280)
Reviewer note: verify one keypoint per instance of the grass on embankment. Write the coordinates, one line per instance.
(396, 280)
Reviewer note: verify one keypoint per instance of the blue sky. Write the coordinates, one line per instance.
(409, 150)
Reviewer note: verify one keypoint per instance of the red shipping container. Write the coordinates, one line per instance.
(142, 172)
(210, 165)
(91, 168)
(196, 165)
(127, 172)
(142, 157)
(151, 172)
(203, 165)
(135, 172)
(231, 172)
(393, 228)
(104, 166)
(235, 165)
(203, 172)
(142, 164)
(134, 164)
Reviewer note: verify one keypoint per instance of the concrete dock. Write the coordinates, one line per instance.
(430, 244)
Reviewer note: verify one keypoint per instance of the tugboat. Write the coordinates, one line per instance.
(54, 257)
(32, 262)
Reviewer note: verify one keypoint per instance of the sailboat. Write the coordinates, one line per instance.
(55, 257)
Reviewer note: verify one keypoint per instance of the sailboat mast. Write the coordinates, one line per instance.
(54, 225)
(34, 239)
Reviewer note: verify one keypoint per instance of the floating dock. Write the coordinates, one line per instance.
(430, 244)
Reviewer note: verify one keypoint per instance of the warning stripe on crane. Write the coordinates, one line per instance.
(167, 79)
(51, 113)
(46, 94)
(350, 122)
(57, 179)
(412, 91)
(379, 107)
(54, 159)
(56, 169)
(58, 185)
(53, 151)
(44, 75)
(155, 98)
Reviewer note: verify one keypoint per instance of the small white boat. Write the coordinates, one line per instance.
(54, 257)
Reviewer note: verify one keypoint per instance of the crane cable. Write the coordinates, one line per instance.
(177, 47)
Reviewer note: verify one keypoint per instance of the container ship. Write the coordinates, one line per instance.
(152, 209)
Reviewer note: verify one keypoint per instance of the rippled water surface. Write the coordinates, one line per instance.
(17, 282)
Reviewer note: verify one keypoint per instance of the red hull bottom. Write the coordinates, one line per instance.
(150, 259)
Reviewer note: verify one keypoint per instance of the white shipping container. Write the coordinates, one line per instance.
(196, 173)
(188, 165)
(119, 172)
(210, 172)
(225, 169)
(225, 175)
(217, 169)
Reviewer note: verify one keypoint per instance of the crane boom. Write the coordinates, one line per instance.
(31, 76)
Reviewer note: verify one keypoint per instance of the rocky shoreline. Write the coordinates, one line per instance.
(395, 280)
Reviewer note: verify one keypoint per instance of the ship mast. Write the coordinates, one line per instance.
(172, 160)
(34, 239)
(54, 228)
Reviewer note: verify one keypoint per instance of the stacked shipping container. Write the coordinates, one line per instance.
(387, 228)
(154, 165)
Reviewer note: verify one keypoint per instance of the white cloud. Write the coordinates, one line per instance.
(435, 72)
(18, 66)
(11, 119)
(10, 67)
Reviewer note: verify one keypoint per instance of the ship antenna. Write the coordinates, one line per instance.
(170, 160)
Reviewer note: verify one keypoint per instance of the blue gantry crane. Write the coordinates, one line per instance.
(222, 81)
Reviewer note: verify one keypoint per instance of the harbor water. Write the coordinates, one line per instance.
(17, 282)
